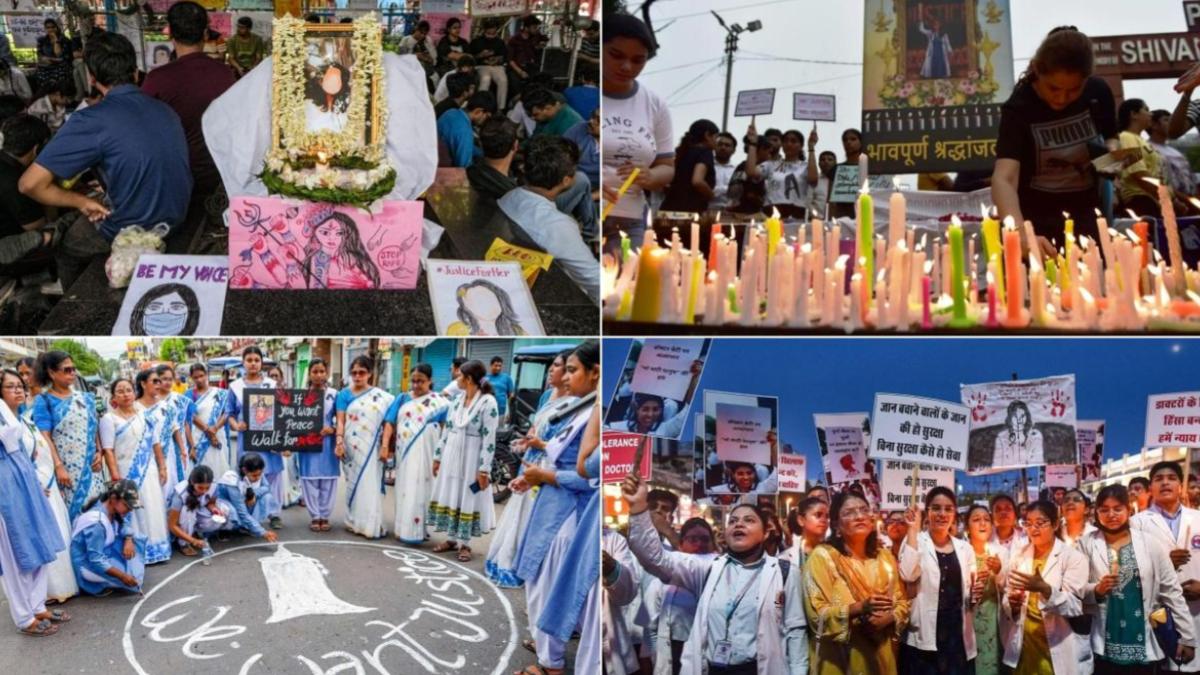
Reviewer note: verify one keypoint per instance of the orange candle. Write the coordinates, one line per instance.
(1016, 315)
(1142, 229)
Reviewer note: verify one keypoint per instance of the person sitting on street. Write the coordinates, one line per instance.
(456, 128)
(461, 86)
(24, 240)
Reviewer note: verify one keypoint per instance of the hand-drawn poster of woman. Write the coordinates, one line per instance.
(166, 309)
(334, 256)
(1018, 443)
(484, 309)
(937, 53)
(327, 88)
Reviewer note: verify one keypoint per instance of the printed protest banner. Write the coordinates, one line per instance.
(897, 477)
(1173, 419)
(754, 102)
(657, 385)
(620, 454)
(174, 295)
(742, 434)
(25, 29)
(726, 477)
(437, 22)
(477, 298)
(793, 472)
(283, 419)
(532, 262)
(1021, 423)
(1089, 439)
(842, 439)
(816, 107)
(923, 430)
(447, 6)
(497, 7)
(284, 244)
(935, 74)
(1062, 475)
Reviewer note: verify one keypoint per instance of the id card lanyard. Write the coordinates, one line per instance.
(724, 648)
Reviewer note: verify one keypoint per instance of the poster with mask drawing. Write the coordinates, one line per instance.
(1021, 423)
(174, 295)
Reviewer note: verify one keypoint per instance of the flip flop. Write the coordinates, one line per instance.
(325, 526)
(445, 547)
(464, 554)
(188, 550)
(58, 616)
(530, 645)
(42, 628)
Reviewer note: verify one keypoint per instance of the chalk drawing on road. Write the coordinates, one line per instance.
(296, 587)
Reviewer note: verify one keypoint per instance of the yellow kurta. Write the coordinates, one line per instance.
(1035, 647)
(833, 582)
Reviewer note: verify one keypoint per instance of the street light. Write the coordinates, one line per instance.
(731, 45)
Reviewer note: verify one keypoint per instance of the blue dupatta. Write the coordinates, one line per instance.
(140, 462)
(78, 404)
(580, 569)
(219, 404)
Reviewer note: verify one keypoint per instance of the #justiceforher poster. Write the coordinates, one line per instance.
(1021, 423)
(284, 244)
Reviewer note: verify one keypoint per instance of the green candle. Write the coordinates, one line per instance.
(1051, 271)
(732, 296)
(625, 246)
(957, 278)
(865, 252)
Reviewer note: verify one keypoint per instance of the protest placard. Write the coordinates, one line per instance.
(174, 295)
(922, 430)
(1173, 419)
(1089, 439)
(897, 480)
(657, 386)
(532, 262)
(283, 419)
(664, 367)
(793, 472)
(754, 102)
(1021, 423)
(742, 433)
(816, 107)
(477, 298)
(842, 439)
(620, 452)
(497, 7)
(1062, 475)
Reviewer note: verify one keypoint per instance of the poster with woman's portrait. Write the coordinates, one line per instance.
(1021, 423)
(741, 444)
(1089, 437)
(279, 243)
(328, 66)
(174, 295)
(657, 386)
(478, 298)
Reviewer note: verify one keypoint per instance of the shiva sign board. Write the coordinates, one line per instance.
(479, 298)
(263, 608)
(754, 102)
(174, 295)
(922, 430)
(1173, 419)
(1021, 423)
(816, 107)
(287, 244)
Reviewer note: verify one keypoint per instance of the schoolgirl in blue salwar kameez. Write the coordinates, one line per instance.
(319, 471)
(68, 421)
(561, 500)
(251, 495)
(106, 552)
(414, 420)
(29, 536)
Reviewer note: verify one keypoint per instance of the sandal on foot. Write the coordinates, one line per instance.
(315, 526)
(57, 616)
(530, 645)
(445, 547)
(189, 550)
(41, 628)
(325, 526)
(464, 554)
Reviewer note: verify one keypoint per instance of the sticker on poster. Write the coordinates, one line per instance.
(923, 430)
(174, 295)
(1021, 423)
(1173, 419)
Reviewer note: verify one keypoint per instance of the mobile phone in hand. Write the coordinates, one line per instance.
(475, 487)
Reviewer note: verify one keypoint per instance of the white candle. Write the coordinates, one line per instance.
(855, 322)
(1174, 248)
(897, 207)
(801, 282)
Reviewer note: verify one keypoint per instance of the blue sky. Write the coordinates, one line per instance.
(1113, 376)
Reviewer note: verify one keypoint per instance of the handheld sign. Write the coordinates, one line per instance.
(625, 454)
(755, 102)
(816, 107)
(532, 262)
(283, 419)
(920, 430)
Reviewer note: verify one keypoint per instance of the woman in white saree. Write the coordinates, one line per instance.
(361, 409)
(414, 420)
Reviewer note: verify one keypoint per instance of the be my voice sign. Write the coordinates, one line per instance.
(621, 452)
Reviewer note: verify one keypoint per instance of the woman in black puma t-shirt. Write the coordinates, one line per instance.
(1057, 120)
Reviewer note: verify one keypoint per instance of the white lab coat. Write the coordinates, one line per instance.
(1083, 646)
(619, 658)
(1160, 586)
(920, 566)
(1150, 522)
(698, 574)
(1066, 570)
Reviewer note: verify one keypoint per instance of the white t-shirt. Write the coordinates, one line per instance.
(787, 182)
(636, 131)
(723, 172)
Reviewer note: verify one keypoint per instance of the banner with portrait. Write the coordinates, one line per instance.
(1089, 439)
(935, 73)
(741, 443)
(1021, 423)
(657, 386)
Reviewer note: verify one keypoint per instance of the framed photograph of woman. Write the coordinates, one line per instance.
(320, 91)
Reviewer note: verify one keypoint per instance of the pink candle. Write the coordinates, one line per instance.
(991, 300)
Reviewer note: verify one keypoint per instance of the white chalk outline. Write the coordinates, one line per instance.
(127, 639)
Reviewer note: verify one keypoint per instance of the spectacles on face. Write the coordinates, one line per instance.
(1037, 524)
(359, 373)
(14, 387)
(857, 512)
(69, 370)
(1073, 499)
(155, 381)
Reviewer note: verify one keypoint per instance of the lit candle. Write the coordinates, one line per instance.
(991, 296)
(863, 168)
(800, 285)
(897, 207)
(694, 239)
(1174, 248)
(697, 272)
(322, 161)
(865, 242)
(855, 322)
(647, 295)
(957, 280)
(992, 249)
(774, 233)
(625, 247)
(1015, 316)
(1105, 239)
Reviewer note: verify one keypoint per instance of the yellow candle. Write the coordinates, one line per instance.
(647, 294)
(620, 193)
(694, 292)
(774, 233)
(993, 248)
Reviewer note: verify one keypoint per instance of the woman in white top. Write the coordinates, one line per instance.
(637, 131)
(1129, 576)
(789, 178)
(941, 633)
(1043, 587)
(131, 431)
(361, 410)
